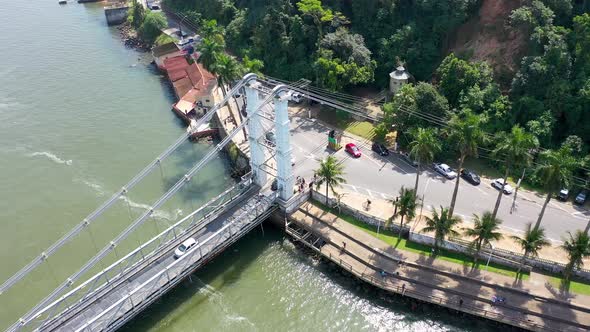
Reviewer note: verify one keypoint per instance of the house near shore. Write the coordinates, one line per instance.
(193, 86)
(165, 51)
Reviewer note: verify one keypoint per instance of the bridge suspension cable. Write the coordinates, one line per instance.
(139, 221)
(107, 204)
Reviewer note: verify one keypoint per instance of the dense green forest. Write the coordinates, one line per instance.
(344, 44)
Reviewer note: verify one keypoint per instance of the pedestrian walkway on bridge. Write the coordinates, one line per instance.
(127, 294)
(411, 274)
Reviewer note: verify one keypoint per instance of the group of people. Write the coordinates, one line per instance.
(300, 183)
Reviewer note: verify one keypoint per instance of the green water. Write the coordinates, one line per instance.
(79, 115)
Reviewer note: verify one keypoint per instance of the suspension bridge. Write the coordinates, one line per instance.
(117, 293)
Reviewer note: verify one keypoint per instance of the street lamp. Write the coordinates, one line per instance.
(490, 256)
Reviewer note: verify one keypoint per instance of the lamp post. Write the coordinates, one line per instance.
(490, 256)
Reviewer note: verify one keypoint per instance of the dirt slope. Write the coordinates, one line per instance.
(485, 38)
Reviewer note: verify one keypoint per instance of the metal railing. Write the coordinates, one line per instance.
(147, 252)
(116, 196)
(141, 296)
(386, 283)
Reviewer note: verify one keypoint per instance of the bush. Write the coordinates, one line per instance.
(151, 27)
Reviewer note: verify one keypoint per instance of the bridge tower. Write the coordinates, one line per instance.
(255, 131)
(285, 178)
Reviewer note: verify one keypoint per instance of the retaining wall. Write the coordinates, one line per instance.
(116, 15)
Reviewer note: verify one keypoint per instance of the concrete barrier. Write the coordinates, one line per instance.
(116, 14)
(357, 214)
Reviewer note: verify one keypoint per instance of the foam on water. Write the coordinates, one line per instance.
(51, 157)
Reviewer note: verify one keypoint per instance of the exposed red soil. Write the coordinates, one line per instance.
(485, 37)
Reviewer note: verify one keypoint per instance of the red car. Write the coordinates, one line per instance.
(353, 150)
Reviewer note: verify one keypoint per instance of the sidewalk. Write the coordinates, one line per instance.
(230, 120)
(383, 208)
(442, 279)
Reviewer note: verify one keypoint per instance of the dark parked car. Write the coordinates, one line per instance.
(470, 177)
(581, 198)
(274, 185)
(380, 149)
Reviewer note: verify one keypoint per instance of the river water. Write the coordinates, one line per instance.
(80, 114)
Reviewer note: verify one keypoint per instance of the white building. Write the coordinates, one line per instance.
(397, 79)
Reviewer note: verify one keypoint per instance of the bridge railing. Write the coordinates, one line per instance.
(110, 276)
(144, 294)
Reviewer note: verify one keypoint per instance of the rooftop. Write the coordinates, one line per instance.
(164, 49)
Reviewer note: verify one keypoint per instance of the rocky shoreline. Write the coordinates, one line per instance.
(130, 38)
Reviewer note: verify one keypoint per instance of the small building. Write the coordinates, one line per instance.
(397, 79)
(165, 51)
(193, 86)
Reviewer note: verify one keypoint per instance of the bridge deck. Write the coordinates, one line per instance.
(212, 238)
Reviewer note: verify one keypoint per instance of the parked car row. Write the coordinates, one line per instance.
(580, 198)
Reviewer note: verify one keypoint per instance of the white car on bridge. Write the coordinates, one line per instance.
(184, 247)
(445, 170)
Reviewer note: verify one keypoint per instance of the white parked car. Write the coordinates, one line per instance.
(445, 170)
(184, 247)
(499, 183)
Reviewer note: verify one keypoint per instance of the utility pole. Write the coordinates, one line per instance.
(513, 207)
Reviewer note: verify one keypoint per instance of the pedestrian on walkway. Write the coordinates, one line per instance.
(403, 289)
(460, 302)
(343, 245)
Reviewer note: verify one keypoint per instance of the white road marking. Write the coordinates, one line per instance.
(383, 195)
(369, 192)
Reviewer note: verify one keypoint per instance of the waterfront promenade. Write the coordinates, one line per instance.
(437, 282)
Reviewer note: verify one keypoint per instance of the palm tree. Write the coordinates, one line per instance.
(228, 69)
(515, 148)
(485, 229)
(406, 207)
(442, 225)
(466, 133)
(555, 171)
(532, 241)
(330, 173)
(423, 149)
(209, 50)
(577, 248)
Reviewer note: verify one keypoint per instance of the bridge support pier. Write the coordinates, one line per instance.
(255, 131)
(285, 179)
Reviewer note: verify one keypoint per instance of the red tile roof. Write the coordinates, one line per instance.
(189, 81)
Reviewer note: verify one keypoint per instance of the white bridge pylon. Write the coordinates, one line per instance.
(278, 96)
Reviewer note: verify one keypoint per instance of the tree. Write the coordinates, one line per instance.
(554, 171)
(516, 149)
(314, 9)
(228, 69)
(333, 73)
(485, 229)
(330, 173)
(136, 14)
(152, 26)
(252, 65)
(457, 75)
(465, 131)
(577, 248)
(406, 207)
(209, 50)
(442, 225)
(531, 242)
(423, 148)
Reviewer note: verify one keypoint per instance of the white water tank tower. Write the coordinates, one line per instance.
(397, 79)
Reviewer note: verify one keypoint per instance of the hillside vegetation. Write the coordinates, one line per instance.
(510, 62)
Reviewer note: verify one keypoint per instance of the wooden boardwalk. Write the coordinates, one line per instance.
(375, 262)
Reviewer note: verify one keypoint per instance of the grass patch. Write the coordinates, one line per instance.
(574, 286)
(163, 39)
(391, 238)
(343, 121)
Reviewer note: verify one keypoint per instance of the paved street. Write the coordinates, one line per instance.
(380, 177)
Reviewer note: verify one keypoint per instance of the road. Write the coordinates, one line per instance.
(382, 177)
